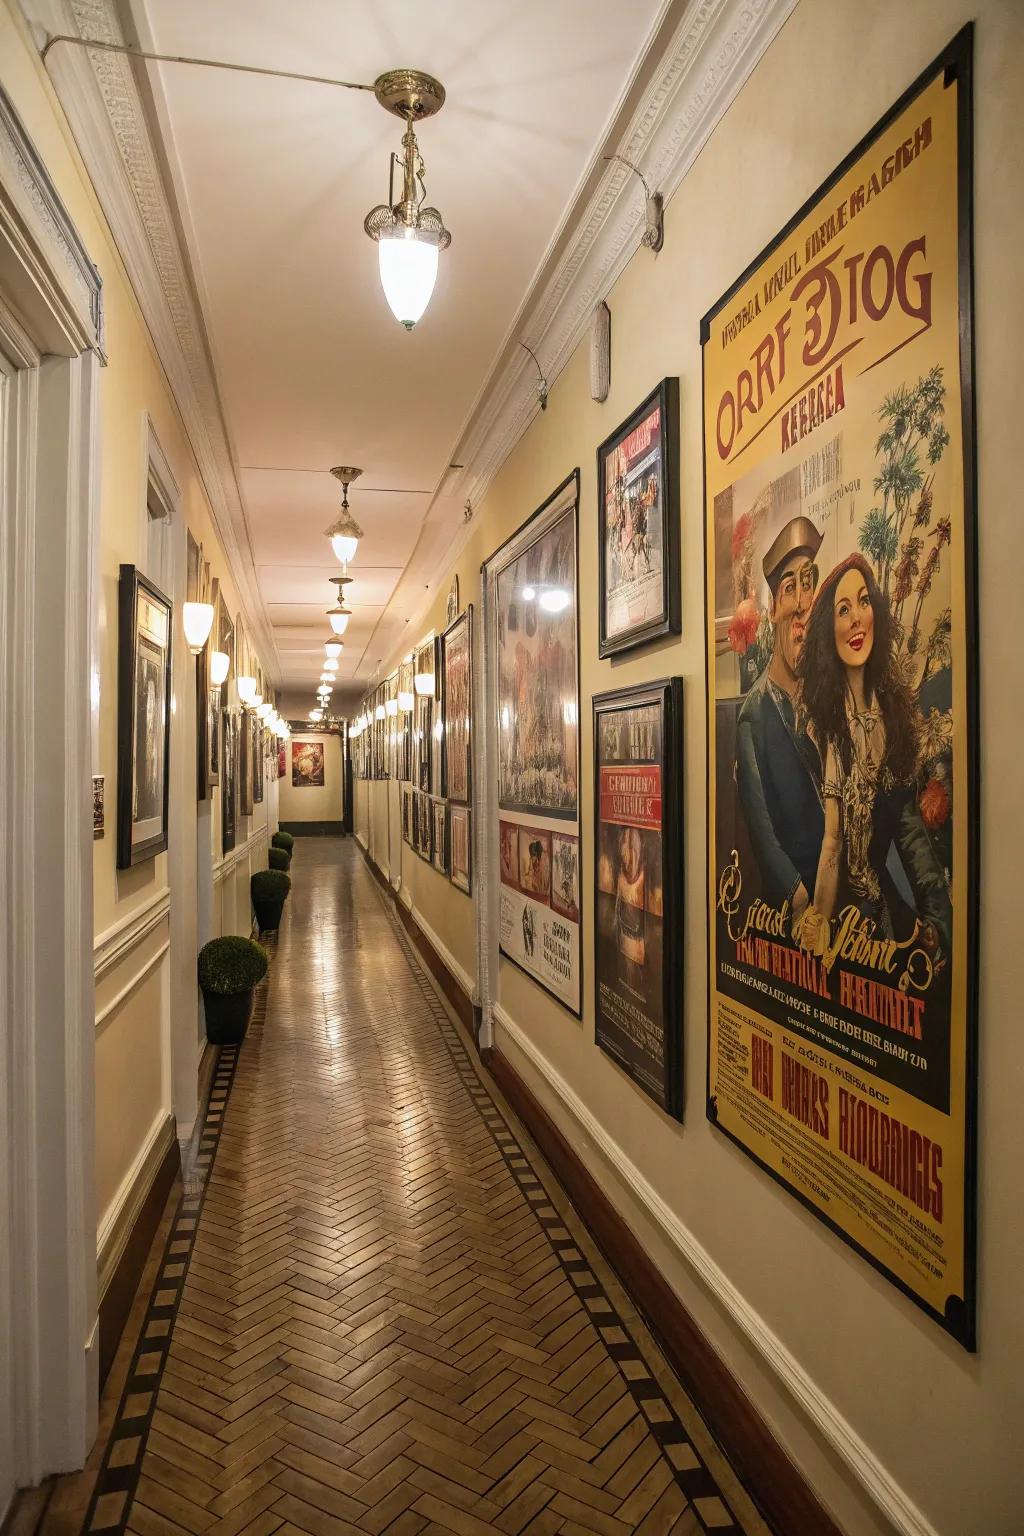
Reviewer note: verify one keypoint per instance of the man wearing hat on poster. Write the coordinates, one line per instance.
(777, 765)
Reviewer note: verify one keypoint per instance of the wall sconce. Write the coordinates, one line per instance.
(392, 707)
(409, 236)
(197, 620)
(247, 690)
(379, 712)
(220, 664)
(405, 701)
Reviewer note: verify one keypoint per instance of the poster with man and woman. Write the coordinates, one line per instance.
(838, 448)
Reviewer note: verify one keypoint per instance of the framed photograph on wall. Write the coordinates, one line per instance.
(143, 718)
(457, 695)
(638, 885)
(228, 780)
(843, 774)
(258, 752)
(439, 844)
(425, 826)
(437, 723)
(460, 852)
(534, 586)
(246, 765)
(638, 525)
(407, 814)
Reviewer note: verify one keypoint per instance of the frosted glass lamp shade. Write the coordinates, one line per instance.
(339, 618)
(197, 619)
(423, 682)
(405, 702)
(333, 648)
(408, 272)
(392, 706)
(247, 690)
(220, 662)
(344, 546)
(264, 709)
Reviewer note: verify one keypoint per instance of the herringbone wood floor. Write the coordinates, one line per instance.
(377, 1315)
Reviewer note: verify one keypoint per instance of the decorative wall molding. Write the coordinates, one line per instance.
(238, 853)
(123, 1211)
(839, 1433)
(60, 289)
(99, 95)
(127, 933)
(150, 963)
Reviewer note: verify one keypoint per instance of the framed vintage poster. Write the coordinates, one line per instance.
(842, 701)
(228, 780)
(439, 835)
(143, 718)
(246, 764)
(638, 879)
(638, 525)
(210, 693)
(437, 723)
(460, 851)
(282, 761)
(407, 809)
(532, 585)
(307, 765)
(457, 695)
(424, 826)
(258, 754)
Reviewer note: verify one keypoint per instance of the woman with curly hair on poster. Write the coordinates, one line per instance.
(861, 716)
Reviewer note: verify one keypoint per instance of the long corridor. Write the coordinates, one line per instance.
(374, 1311)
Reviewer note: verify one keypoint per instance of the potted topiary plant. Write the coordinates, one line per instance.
(230, 969)
(269, 889)
(283, 840)
(278, 858)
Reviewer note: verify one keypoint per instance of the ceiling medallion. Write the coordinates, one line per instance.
(409, 236)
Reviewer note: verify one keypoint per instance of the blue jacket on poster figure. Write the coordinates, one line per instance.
(777, 773)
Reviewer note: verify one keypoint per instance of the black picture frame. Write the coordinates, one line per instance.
(258, 752)
(142, 669)
(439, 834)
(245, 762)
(954, 63)
(633, 936)
(668, 621)
(228, 781)
(463, 620)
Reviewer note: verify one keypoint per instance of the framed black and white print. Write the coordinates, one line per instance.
(638, 885)
(228, 780)
(638, 525)
(144, 718)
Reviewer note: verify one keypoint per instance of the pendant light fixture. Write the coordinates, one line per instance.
(333, 647)
(344, 533)
(409, 236)
(339, 615)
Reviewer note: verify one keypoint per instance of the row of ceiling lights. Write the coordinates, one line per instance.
(344, 535)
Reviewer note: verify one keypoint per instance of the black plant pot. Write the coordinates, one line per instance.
(227, 1016)
(268, 914)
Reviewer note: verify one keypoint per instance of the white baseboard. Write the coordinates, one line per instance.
(890, 1498)
(123, 1211)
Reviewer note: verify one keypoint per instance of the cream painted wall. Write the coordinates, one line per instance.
(313, 802)
(877, 1396)
(134, 1073)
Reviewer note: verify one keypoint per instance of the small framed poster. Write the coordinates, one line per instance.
(439, 847)
(307, 765)
(457, 694)
(460, 857)
(144, 718)
(228, 780)
(407, 807)
(638, 850)
(638, 524)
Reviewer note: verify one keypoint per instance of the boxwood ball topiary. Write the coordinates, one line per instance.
(231, 964)
(279, 858)
(270, 885)
(283, 840)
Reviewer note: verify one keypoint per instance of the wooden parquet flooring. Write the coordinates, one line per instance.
(373, 1314)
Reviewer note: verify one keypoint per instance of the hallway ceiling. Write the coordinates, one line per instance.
(272, 180)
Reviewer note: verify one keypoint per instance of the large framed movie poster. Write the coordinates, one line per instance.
(533, 580)
(638, 873)
(842, 701)
(456, 654)
(638, 524)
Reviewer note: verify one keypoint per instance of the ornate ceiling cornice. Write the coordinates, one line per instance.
(99, 95)
(713, 51)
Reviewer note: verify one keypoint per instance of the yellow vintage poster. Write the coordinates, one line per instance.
(838, 450)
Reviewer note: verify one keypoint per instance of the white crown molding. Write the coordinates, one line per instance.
(114, 943)
(712, 53)
(903, 1514)
(105, 113)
